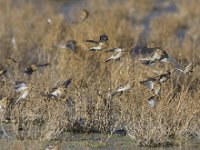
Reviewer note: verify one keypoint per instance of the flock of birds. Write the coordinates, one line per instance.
(152, 83)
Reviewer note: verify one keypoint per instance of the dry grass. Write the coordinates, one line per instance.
(85, 107)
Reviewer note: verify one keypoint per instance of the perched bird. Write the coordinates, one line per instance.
(158, 55)
(154, 83)
(100, 45)
(30, 69)
(22, 89)
(152, 101)
(84, 14)
(123, 88)
(61, 89)
(71, 44)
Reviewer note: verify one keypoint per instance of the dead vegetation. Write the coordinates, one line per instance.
(86, 107)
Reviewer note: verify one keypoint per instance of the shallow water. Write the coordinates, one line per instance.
(91, 142)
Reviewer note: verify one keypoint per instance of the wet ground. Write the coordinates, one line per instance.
(91, 142)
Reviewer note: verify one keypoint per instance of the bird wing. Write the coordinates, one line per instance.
(111, 50)
(145, 61)
(152, 101)
(20, 87)
(173, 61)
(188, 68)
(92, 41)
(148, 83)
(67, 82)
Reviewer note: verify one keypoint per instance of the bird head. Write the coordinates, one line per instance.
(103, 37)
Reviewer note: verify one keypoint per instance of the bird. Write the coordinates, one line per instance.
(21, 88)
(118, 53)
(158, 55)
(123, 88)
(154, 83)
(152, 101)
(84, 14)
(115, 56)
(187, 69)
(31, 68)
(117, 50)
(71, 44)
(100, 45)
(61, 89)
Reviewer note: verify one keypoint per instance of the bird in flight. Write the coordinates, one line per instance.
(123, 88)
(154, 83)
(118, 53)
(152, 101)
(31, 68)
(22, 89)
(100, 45)
(158, 55)
(60, 89)
(70, 44)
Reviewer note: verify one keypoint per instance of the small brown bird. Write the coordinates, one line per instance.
(118, 54)
(158, 55)
(101, 44)
(84, 14)
(154, 83)
(22, 89)
(60, 89)
(123, 88)
(187, 69)
(70, 44)
(30, 69)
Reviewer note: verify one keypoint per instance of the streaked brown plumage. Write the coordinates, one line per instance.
(30, 69)
(60, 89)
(154, 83)
(158, 55)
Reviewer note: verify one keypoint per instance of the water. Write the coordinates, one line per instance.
(91, 142)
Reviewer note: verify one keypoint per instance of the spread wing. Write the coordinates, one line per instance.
(92, 41)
